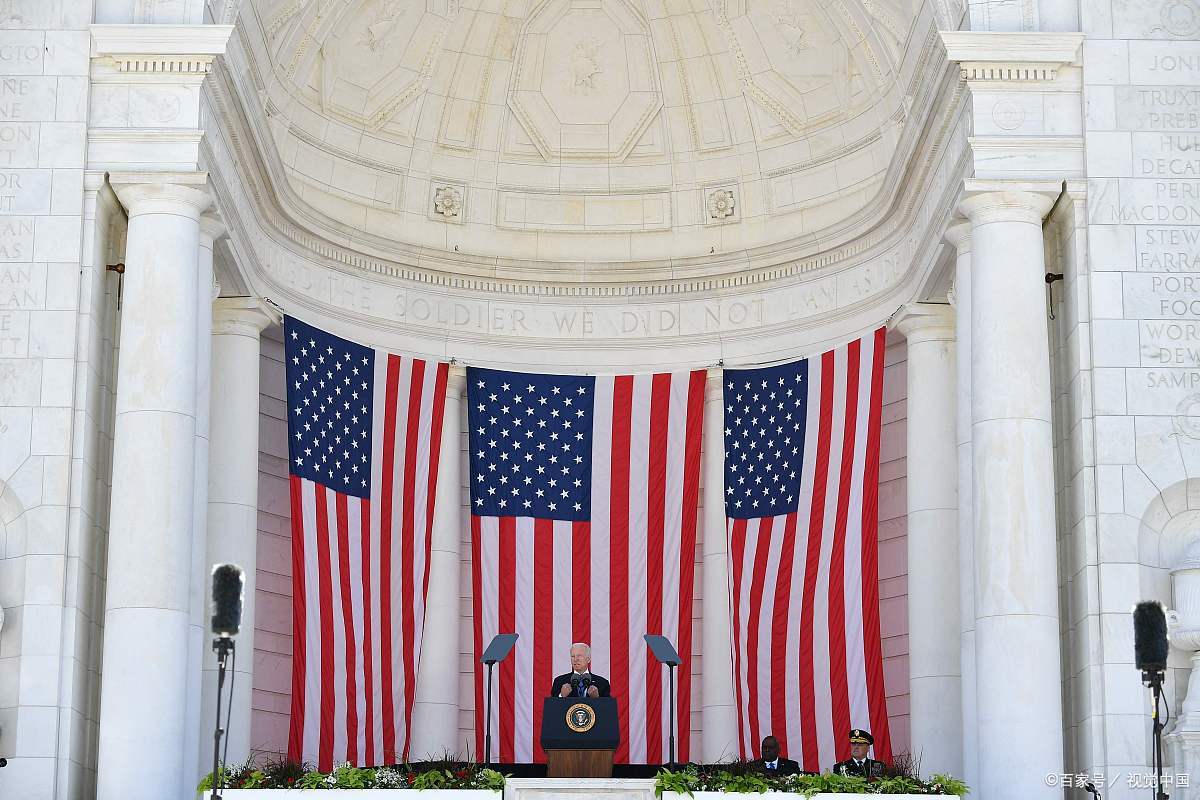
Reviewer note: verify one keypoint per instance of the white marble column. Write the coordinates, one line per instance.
(959, 235)
(934, 682)
(210, 230)
(718, 714)
(146, 618)
(435, 713)
(1018, 676)
(232, 533)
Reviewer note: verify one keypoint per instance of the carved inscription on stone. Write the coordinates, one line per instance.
(14, 334)
(16, 238)
(22, 286)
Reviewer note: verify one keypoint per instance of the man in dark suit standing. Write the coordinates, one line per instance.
(772, 763)
(580, 682)
(858, 763)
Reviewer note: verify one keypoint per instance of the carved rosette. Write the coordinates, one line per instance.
(448, 203)
(721, 205)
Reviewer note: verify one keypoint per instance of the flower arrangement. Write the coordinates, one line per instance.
(292, 775)
(745, 777)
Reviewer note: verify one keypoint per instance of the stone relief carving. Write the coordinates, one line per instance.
(790, 28)
(1187, 417)
(585, 65)
(447, 202)
(721, 204)
(1179, 18)
(378, 32)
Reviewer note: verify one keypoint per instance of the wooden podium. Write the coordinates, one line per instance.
(579, 735)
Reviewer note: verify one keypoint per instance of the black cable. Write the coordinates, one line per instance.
(1168, 705)
(229, 710)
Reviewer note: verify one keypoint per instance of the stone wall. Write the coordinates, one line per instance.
(272, 656)
(56, 355)
(1129, 365)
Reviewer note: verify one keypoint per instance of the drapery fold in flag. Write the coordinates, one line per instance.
(364, 433)
(584, 495)
(801, 500)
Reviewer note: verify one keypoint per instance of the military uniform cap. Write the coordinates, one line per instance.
(859, 736)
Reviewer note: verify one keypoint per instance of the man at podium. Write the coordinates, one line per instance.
(580, 682)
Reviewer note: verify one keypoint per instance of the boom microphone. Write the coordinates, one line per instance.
(1150, 637)
(228, 583)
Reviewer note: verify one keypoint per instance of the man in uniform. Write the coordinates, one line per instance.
(580, 682)
(772, 763)
(858, 763)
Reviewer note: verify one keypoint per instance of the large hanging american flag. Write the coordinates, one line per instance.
(801, 499)
(364, 429)
(584, 494)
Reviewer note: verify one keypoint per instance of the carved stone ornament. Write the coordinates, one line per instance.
(721, 204)
(447, 202)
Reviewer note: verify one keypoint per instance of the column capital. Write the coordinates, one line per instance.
(211, 228)
(958, 234)
(242, 316)
(924, 322)
(986, 201)
(183, 193)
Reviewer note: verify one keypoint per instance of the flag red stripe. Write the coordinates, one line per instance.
(737, 556)
(343, 536)
(368, 633)
(543, 623)
(391, 395)
(435, 453)
(619, 552)
(581, 577)
(687, 558)
(507, 589)
(325, 593)
(477, 611)
(299, 613)
(656, 495)
(839, 690)
(816, 521)
(781, 624)
(762, 550)
(407, 534)
(870, 561)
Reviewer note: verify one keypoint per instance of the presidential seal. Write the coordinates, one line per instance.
(581, 718)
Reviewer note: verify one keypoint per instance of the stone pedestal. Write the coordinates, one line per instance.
(435, 712)
(934, 682)
(146, 620)
(1016, 576)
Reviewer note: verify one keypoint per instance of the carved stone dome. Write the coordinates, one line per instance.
(666, 129)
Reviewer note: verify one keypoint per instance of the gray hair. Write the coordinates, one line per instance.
(587, 648)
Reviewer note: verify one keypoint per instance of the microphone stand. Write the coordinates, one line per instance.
(223, 647)
(1154, 679)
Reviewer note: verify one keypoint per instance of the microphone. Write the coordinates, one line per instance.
(575, 685)
(1150, 646)
(228, 584)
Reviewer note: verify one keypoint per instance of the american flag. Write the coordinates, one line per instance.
(584, 494)
(364, 428)
(801, 500)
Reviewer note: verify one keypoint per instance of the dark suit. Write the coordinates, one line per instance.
(600, 683)
(785, 767)
(870, 768)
